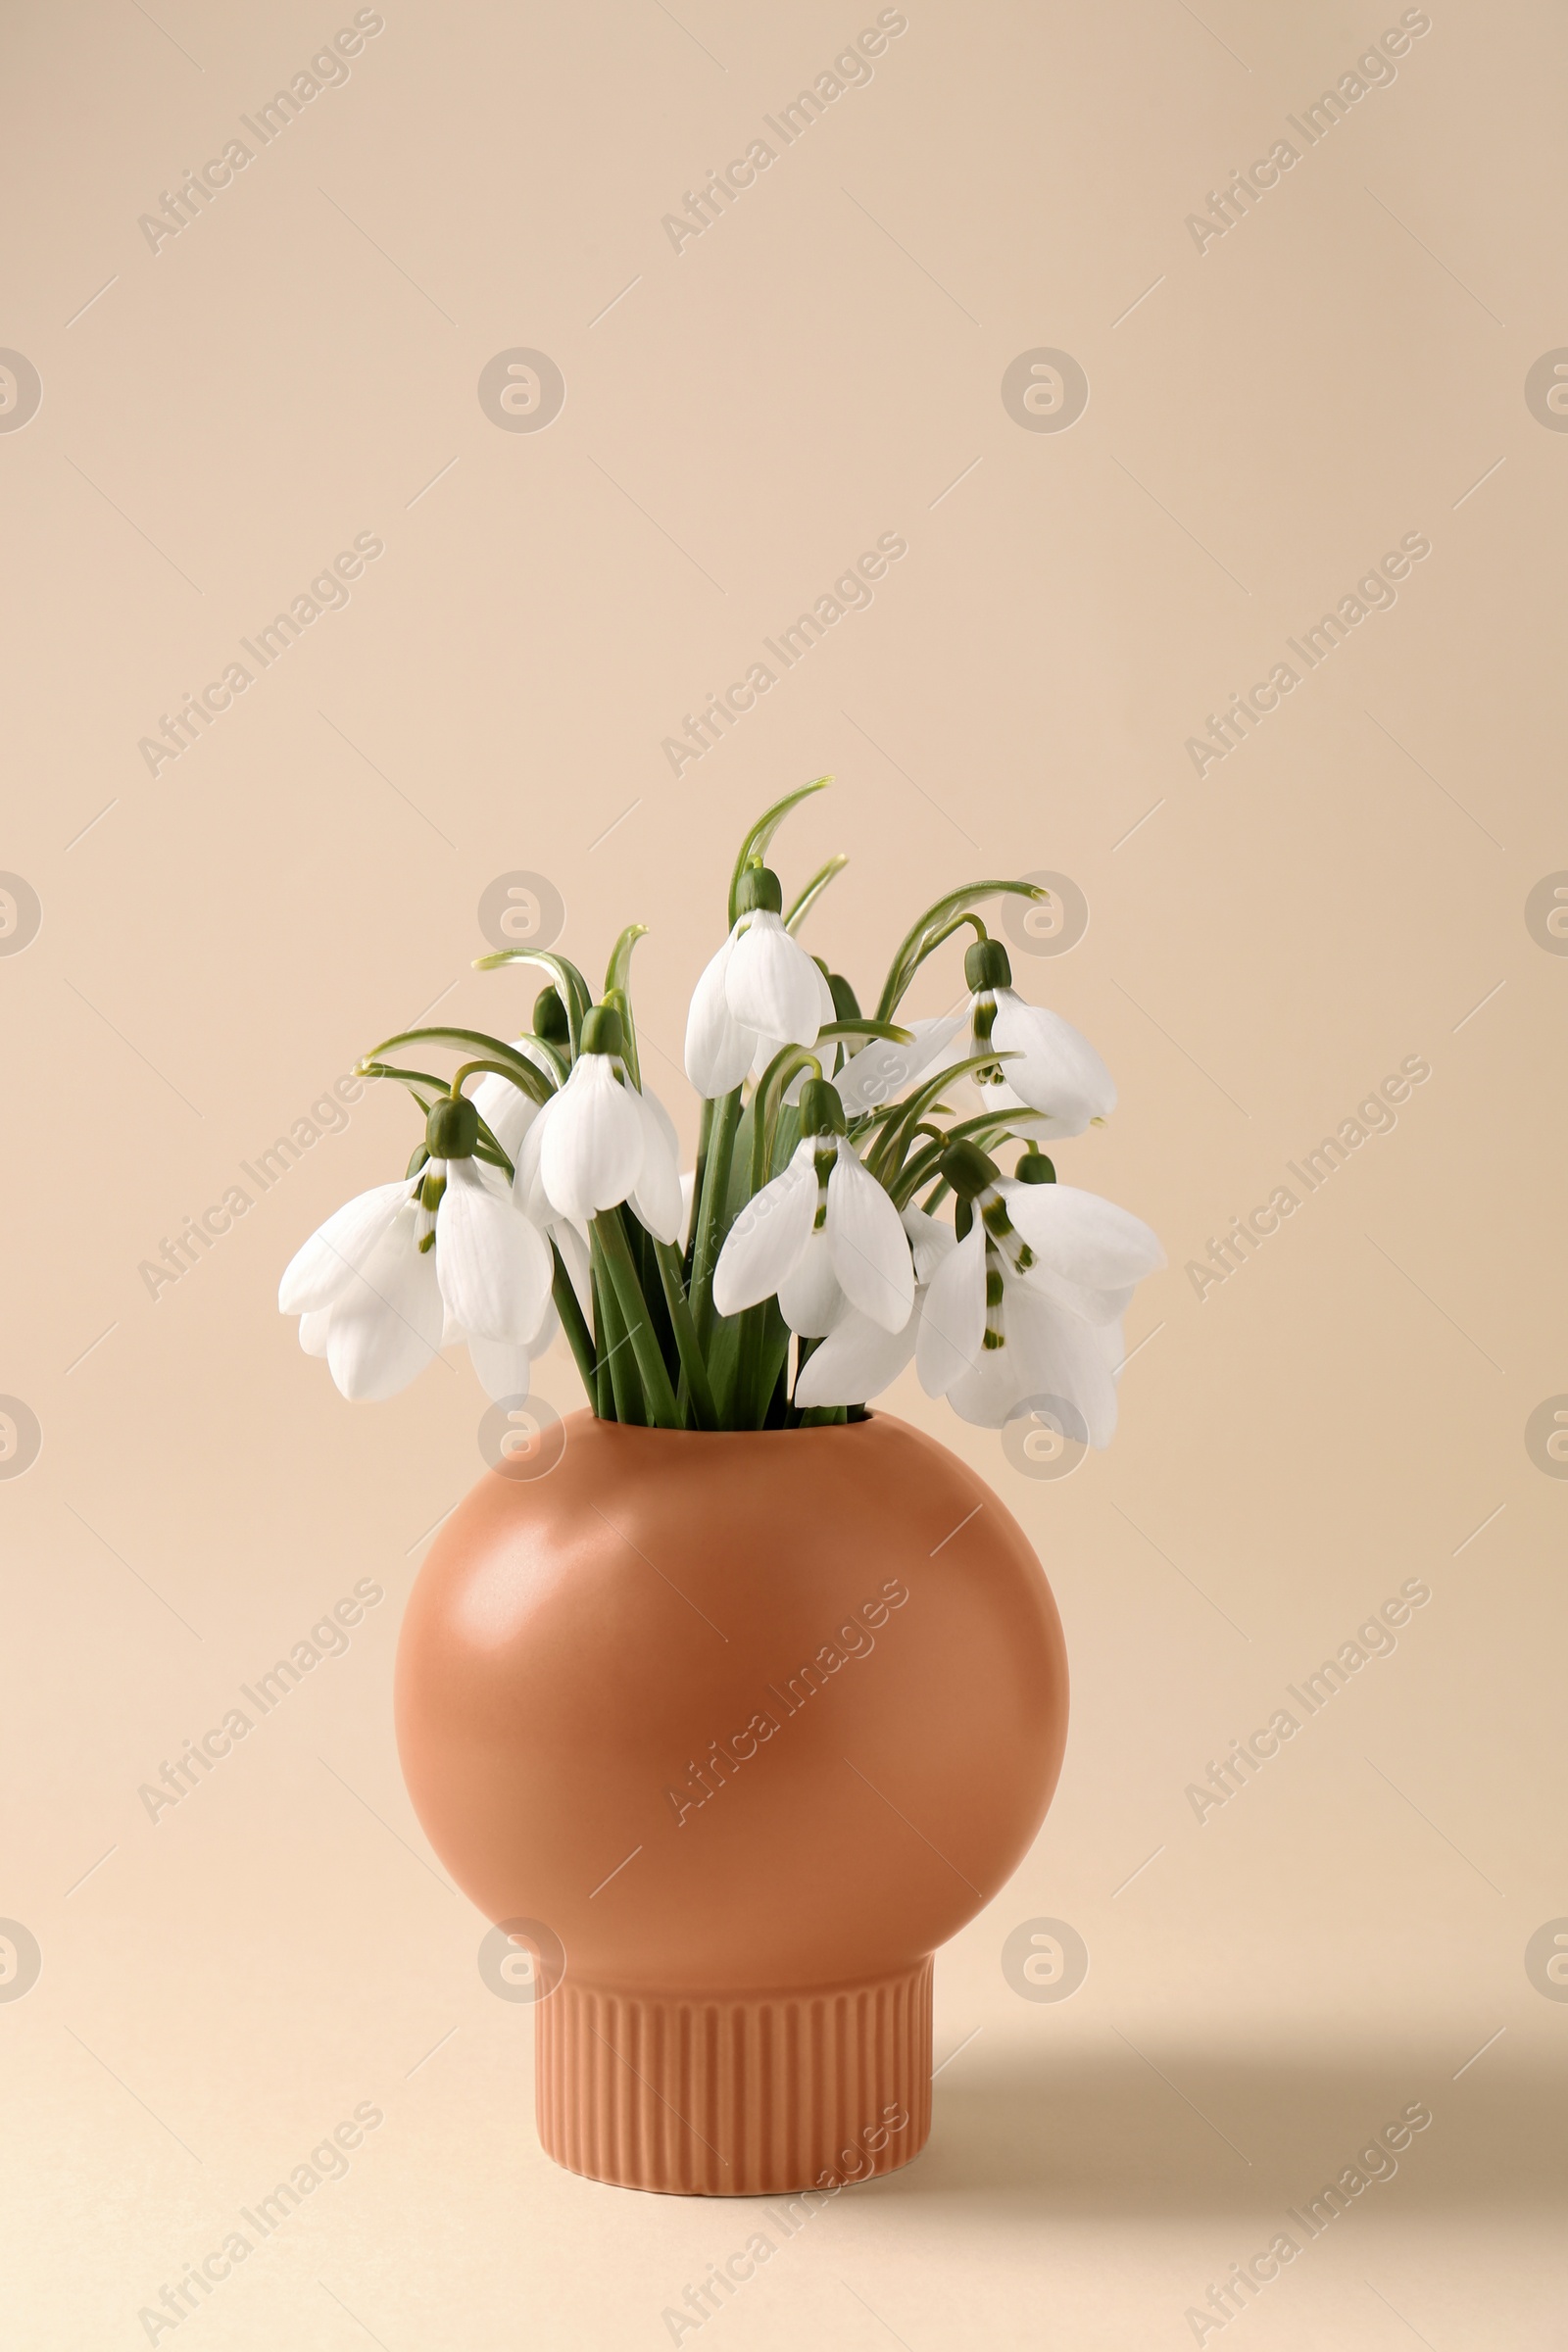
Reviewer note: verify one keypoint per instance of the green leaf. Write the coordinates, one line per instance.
(758, 839)
(618, 970)
(861, 1024)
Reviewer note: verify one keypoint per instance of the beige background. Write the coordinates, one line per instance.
(1345, 890)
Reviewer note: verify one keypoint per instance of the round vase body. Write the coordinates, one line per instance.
(729, 1733)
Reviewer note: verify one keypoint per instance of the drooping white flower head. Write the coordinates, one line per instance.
(1030, 1302)
(859, 1358)
(760, 989)
(1053, 1082)
(601, 1141)
(822, 1233)
(377, 1285)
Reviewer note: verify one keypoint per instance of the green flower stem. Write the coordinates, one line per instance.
(902, 1119)
(926, 1165)
(711, 1223)
(574, 1324)
(692, 1362)
(704, 1136)
(659, 1394)
(496, 1052)
(616, 1370)
(919, 941)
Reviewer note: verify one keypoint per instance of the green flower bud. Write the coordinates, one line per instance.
(759, 891)
(1035, 1168)
(967, 1169)
(821, 1111)
(452, 1130)
(550, 1018)
(986, 966)
(603, 1031)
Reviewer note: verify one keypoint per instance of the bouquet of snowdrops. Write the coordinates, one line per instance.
(847, 1212)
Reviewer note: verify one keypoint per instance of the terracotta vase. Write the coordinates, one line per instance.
(729, 1733)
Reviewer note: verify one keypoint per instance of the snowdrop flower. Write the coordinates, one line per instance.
(600, 1141)
(376, 1287)
(822, 1233)
(760, 989)
(859, 1358)
(1052, 1072)
(1030, 1302)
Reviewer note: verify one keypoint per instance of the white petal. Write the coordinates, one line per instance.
(386, 1326)
(773, 985)
(1047, 1354)
(506, 1110)
(930, 1239)
(527, 1184)
(882, 1069)
(809, 1298)
(315, 1274)
(1056, 1068)
(718, 1050)
(688, 1196)
(1090, 1252)
(315, 1330)
(869, 1246)
(504, 1370)
(856, 1361)
(656, 1196)
(494, 1266)
(592, 1142)
(768, 1238)
(573, 1243)
(953, 1319)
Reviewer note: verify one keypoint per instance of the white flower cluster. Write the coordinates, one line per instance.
(552, 1196)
